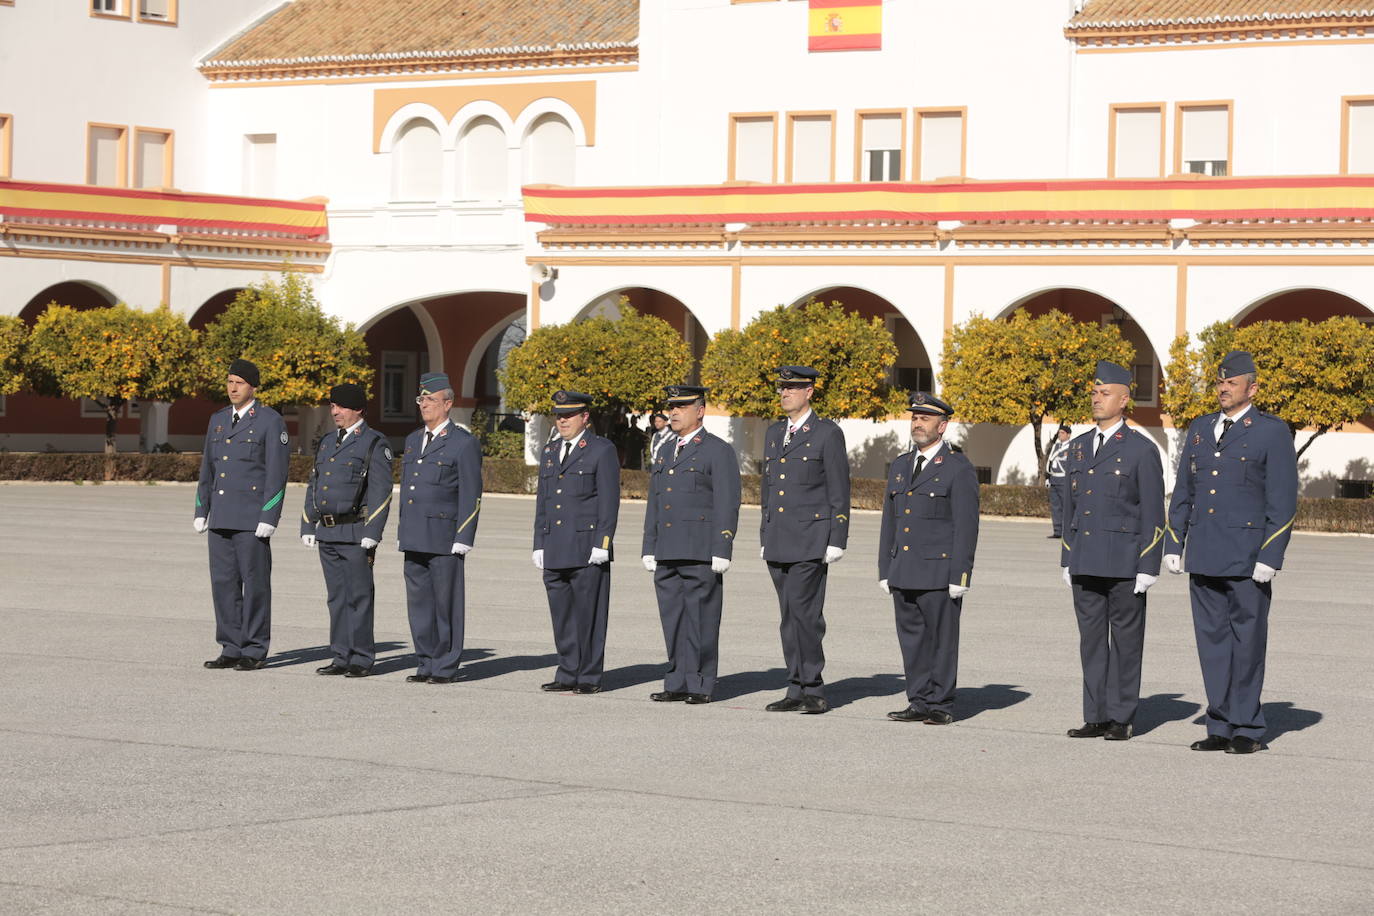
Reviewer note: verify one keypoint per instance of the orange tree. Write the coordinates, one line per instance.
(1027, 368)
(13, 333)
(111, 356)
(851, 353)
(1316, 376)
(300, 351)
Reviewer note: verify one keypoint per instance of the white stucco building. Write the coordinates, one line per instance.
(1158, 171)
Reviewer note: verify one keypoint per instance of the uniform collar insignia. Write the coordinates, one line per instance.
(219, 429)
(1119, 436)
(806, 428)
(696, 439)
(252, 411)
(939, 459)
(583, 443)
(1245, 421)
(1197, 438)
(899, 478)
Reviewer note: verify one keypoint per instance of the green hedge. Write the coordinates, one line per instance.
(504, 475)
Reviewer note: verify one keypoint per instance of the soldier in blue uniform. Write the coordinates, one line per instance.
(1113, 542)
(347, 500)
(1236, 494)
(925, 558)
(440, 496)
(1056, 480)
(689, 537)
(243, 469)
(804, 502)
(576, 506)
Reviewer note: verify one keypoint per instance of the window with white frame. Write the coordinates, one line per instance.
(812, 146)
(753, 148)
(1205, 139)
(399, 380)
(880, 147)
(482, 161)
(549, 151)
(1359, 141)
(417, 162)
(1137, 142)
(260, 165)
(941, 153)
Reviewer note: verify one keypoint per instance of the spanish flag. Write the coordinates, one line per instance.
(845, 25)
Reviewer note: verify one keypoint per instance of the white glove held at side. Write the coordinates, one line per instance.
(833, 554)
(264, 530)
(599, 556)
(1174, 563)
(461, 549)
(882, 587)
(1263, 573)
(1068, 579)
(957, 591)
(201, 524)
(649, 563)
(308, 540)
(369, 543)
(538, 559)
(719, 565)
(1143, 581)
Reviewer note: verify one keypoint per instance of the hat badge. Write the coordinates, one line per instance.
(919, 398)
(560, 397)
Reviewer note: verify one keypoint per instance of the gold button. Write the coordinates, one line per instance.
(221, 492)
(326, 486)
(781, 509)
(782, 493)
(1090, 470)
(908, 511)
(331, 459)
(221, 473)
(558, 491)
(1090, 493)
(410, 502)
(667, 524)
(1214, 473)
(559, 506)
(1087, 512)
(1210, 511)
(906, 530)
(1213, 492)
(782, 460)
(944, 556)
(670, 470)
(328, 473)
(1216, 454)
(226, 458)
(559, 522)
(412, 486)
(667, 507)
(593, 524)
(904, 547)
(1087, 532)
(667, 490)
(782, 477)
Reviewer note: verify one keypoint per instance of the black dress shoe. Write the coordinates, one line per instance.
(910, 714)
(786, 704)
(668, 696)
(332, 669)
(223, 661)
(1090, 730)
(441, 679)
(939, 717)
(814, 706)
(1119, 731)
(1212, 743)
(357, 671)
(417, 679)
(556, 686)
(587, 688)
(1243, 745)
(250, 664)
(1052, 536)
(698, 699)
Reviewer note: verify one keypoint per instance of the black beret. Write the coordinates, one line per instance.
(245, 370)
(348, 395)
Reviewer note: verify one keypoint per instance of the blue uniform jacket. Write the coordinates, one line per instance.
(577, 503)
(693, 509)
(441, 491)
(930, 524)
(804, 493)
(243, 469)
(334, 484)
(1113, 506)
(1236, 500)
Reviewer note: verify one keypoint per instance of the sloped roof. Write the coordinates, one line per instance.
(343, 30)
(1147, 13)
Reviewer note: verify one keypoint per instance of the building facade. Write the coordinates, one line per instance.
(1157, 170)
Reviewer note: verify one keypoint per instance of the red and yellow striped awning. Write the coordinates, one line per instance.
(1109, 200)
(125, 207)
(845, 25)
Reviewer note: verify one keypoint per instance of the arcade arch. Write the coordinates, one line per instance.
(649, 301)
(1312, 303)
(913, 369)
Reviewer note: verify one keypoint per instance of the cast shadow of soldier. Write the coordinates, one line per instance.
(476, 664)
(1280, 718)
(307, 654)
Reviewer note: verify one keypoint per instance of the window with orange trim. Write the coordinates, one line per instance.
(6, 145)
(162, 12)
(152, 158)
(107, 155)
(879, 145)
(1135, 141)
(115, 9)
(753, 147)
(940, 143)
(810, 146)
(1202, 138)
(1357, 136)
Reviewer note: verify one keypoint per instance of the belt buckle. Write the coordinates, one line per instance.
(327, 521)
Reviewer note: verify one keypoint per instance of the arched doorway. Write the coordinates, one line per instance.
(1297, 304)
(186, 418)
(912, 371)
(655, 302)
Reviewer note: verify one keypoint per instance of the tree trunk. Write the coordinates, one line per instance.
(1035, 421)
(111, 406)
(1310, 439)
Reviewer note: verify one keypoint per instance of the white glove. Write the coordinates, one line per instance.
(537, 558)
(1262, 573)
(760, 551)
(201, 524)
(833, 554)
(648, 561)
(1068, 579)
(1143, 581)
(598, 557)
(1173, 562)
(308, 540)
(882, 586)
(264, 530)
(957, 591)
(719, 565)
(369, 543)
(461, 549)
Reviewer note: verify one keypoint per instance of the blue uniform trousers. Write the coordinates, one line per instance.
(689, 606)
(1057, 487)
(241, 586)
(579, 598)
(1111, 643)
(801, 601)
(349, 592)
(434, 602)
(1231, 622)
(928, 633)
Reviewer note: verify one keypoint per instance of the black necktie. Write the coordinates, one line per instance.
(1225, 428)
(920, 463)
(339, 440)
(787, 439)
(567, 450)
(429, 437)
(234, 422)
(1100, 438)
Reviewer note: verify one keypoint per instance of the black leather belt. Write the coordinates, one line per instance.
(345, 518)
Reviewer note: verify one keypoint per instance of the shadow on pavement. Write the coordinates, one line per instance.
(741, 683)
(481, 667)
(846, 691)
(970, 701)
(629, 676)
(1284, 717)
(1160, 709)
(308, 654)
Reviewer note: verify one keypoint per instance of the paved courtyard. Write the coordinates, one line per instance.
(135, 781)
